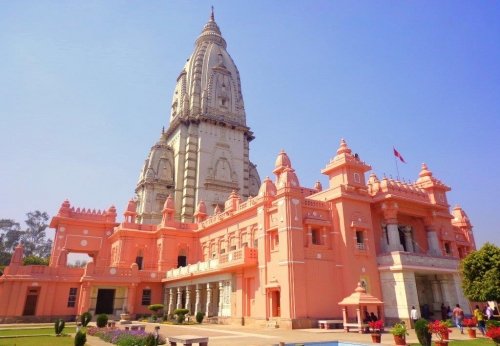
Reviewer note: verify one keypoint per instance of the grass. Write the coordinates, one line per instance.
(31, 337)
(472, 342)
(38, 341)
(33, 331)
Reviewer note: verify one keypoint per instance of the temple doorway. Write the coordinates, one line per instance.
(31, 300)
(105, 301)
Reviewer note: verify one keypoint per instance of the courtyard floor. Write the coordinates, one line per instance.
(222, 335)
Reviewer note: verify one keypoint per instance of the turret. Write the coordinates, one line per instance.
(346, 168)
(168, 210)
(436, 190)
(130, 213)
(201, 212)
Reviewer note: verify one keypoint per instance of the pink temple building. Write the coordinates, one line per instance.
(242, 251)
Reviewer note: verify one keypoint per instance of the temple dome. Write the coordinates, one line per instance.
(267, 188)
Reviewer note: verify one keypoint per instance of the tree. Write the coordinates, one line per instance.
(481, 274)
(33, 237)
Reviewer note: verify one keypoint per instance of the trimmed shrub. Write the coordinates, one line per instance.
(181, 315)
(59, 326)
(199, 316)
(422, 331)
(85, 318)
(80, 338)
(101, 320)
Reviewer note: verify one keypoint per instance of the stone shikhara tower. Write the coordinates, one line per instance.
(204, 153)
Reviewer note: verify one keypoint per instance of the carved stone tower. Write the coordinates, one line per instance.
(204, 153)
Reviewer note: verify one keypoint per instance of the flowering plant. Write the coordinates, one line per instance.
(469, 322)
(494, 334)
(376, 326)
(439, 328)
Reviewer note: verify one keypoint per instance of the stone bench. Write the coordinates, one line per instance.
(188, 340)
(111, 324)
(135, 327)
(326, 323)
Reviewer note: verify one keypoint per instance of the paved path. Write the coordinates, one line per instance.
(223, 335)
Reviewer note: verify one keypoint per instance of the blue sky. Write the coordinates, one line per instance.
(86, 87)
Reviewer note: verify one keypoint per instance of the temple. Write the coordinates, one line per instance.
(205, 234)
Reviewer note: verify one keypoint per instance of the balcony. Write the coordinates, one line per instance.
(244, 257)
(395, 261)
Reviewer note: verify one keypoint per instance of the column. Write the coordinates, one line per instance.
(393, 235)
(384, 246)
(188, 300)
(221, 296)
(209, 300)
(445, 292)
(391, 219)
(171, 294)
(179, 298)
(197, 305)
(408, 240)
(131, 298)
(436, 293)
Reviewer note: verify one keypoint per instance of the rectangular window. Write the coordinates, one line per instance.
(232, 248)
(222, 251)
(360, 240)
(146, 297)
(72, 297)
(447, 248)
(316, 236)
(274, 240)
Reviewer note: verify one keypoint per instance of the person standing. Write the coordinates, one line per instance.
(458, 316)
(478, 314)
(489, 312)
(413, 316)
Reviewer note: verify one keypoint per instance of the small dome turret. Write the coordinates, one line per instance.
(201, 212)
(288, 179)
(424, 171)
(267, 188)
(343, 148)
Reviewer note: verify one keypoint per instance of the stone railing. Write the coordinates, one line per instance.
(402, 260)
(237, 258)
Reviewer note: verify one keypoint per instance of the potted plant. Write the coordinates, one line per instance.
(376, 327)
(441, 330)
(494, 334)
(470, 323)
(400, 332)
(155, 308)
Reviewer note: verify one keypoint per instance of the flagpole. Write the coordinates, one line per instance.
(396, 162)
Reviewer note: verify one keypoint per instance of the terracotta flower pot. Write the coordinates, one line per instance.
(400, 340)
(376, 338)
(472, 333)
(441, 343)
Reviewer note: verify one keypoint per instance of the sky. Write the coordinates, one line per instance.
(86, 87)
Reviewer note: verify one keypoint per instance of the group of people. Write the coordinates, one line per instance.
(480, 315)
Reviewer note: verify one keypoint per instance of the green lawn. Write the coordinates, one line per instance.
(38, 341)
(472, 342)
(9, 337)
(34, 331)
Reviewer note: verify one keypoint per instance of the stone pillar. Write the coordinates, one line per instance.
(171, 294)
(179, 298)
(390, 215)
(209, 300)
(221, 296)
(188, 300)
(197, 304)
(408, 240)
(384, 246)
(436, 293)
(131, 298)
(433, 243)
(393, 235)
(445, 292)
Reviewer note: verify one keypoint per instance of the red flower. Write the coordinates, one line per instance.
(469, 322)
(376, 326)
(494, 334)
(439, 328)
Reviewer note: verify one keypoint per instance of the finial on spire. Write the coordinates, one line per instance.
(212, 17)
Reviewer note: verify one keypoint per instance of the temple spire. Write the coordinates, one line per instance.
(212, 17)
